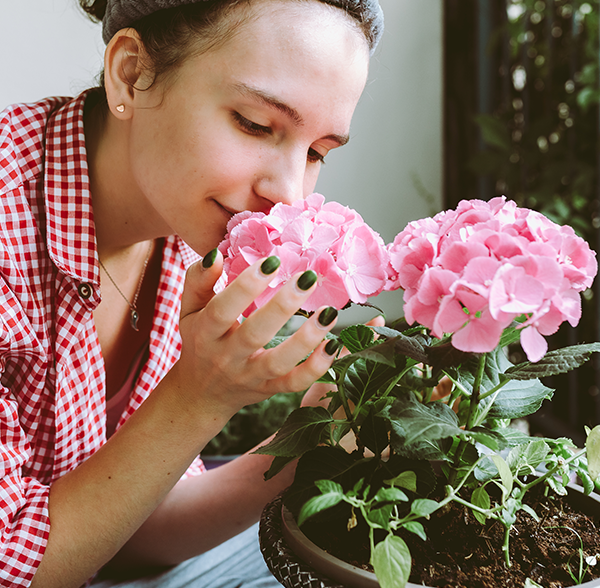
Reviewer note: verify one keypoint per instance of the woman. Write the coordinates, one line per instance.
(115, 373)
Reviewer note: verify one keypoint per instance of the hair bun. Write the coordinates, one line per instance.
(95, 9)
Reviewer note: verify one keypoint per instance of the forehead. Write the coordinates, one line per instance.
(289, 48)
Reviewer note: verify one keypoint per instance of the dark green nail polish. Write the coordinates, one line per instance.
(270, 264)
(327, 316)
(306, 280)
(332, 346)
(209, 259)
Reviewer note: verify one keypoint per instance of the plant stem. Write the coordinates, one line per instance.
(505, 547)
(472, 415)
(551, 472)
(346, 405)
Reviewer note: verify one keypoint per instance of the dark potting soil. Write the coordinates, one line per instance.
(462, 553)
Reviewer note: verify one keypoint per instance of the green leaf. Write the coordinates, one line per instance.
(390, 495)
(407, 480)
(423, 507)
(480, 498)
(391, 561)
(277, 465)
(509, 512)
(557, 485)
(302, 431)
(365, 377)
(493, 131)
(514, 402)
(559, 361)
(510, 335)
(415, 422)
(356, 338)
(494, 440)
(586, 481)
(412, 347)
(324, 462)
(332, 495)
(402, 468)
(387, 332)
(592, 448)
(530, 512)
(504, 471)
(327, 378)
(524, 459)
(416, 528)
(529, 583)
(374, 431)
(513, 436)
(515, 399)
(380, 517)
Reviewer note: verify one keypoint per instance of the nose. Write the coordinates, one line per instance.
(282, 179)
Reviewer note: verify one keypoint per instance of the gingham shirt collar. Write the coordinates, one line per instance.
(71, 235)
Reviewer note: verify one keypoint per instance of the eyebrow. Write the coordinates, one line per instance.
(284, 108)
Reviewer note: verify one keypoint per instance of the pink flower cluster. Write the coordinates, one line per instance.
(349, 258)
(469, 272)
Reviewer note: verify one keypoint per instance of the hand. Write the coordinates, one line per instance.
(225, 360)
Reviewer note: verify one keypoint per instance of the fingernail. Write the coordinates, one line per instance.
(270, 264)
(306, 280)
(209, 259)
(332, 346)
(327, 316)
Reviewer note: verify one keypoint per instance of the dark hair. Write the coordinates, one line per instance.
(168, 35)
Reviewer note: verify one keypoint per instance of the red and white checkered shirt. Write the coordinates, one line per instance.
(52, 398)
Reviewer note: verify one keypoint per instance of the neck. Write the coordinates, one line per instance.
(122, 216)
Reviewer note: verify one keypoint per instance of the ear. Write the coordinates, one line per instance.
(123, 71)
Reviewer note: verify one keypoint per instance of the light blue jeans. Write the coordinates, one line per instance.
(237, 563)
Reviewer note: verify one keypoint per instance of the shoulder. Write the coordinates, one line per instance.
(21, 140)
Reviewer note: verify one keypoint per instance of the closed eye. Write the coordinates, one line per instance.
(315, 156)
(250, 127)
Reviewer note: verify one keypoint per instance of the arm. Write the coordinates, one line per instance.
(203, 511)
(95, 509)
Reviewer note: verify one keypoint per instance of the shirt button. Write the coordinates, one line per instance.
(85, 290)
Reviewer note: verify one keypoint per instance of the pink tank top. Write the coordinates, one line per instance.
(117, 404)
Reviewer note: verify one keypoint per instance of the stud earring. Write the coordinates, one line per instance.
(120, 108)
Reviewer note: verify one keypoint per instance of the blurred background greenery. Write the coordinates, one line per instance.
(521, 119)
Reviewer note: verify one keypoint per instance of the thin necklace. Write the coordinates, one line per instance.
(134, 317)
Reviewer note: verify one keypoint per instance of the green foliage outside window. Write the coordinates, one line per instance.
(541, 142)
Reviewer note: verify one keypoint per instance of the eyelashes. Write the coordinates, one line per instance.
(315, 157)
(257, 130)
(251, 127)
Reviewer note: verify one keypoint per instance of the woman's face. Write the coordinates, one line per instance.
(248, 124)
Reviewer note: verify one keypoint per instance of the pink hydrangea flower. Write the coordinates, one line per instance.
(470, 272)
(350, 259)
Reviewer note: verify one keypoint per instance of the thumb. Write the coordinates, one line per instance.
(200, 281)
(378, 321)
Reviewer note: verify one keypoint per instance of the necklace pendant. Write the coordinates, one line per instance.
(135, 317)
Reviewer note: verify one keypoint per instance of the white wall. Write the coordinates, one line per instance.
(48, 48)
(391, 171)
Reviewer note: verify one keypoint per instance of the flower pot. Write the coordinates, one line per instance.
(296, 562)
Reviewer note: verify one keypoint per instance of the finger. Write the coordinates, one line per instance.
(304, 375)
(268, 320)
(378, 321)
(280, 360)
(224, 309)
(200, 281)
